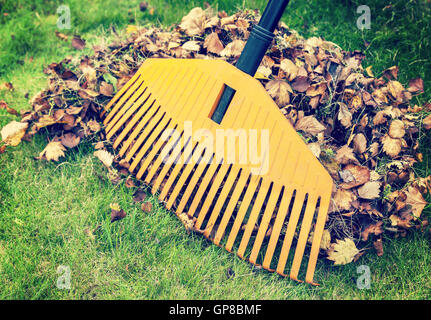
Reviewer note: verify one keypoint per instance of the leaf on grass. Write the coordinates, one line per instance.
(378, 245)
(53, 151)
(415, 200)
(342, 252)
(139, 195)
(147, 207)
(116, 212)
(309, 124)
(370, 190)
(78, 43)
(4, 105)
(13, 132)
(104, 156)
(188, 222)
(375, 229)
(70, 140)
(416, 85)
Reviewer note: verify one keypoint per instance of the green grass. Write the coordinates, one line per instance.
(46, 208)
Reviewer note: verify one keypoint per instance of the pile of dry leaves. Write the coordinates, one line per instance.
(363, 129)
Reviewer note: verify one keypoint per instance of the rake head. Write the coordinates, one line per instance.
(250, 182)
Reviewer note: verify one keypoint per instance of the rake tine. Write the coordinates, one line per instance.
(278, 224)
(318, 232)
(248, 197)
(230, 208)
(264, 189)
(303, 235)
(119, 95)
(272, 202)
(233, 175)
(125, 111)
(291, 227)
(124, 98)
(199, 97)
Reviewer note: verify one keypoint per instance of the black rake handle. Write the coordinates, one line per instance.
(258, 42)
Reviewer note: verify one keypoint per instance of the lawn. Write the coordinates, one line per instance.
(55, 217)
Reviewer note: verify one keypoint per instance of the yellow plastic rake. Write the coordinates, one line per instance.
(211, 142)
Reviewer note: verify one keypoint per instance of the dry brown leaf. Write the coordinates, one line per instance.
(194, 22)
(379, 118)
(375, 228)
(345, 155)
(342, 252)
(342, 200)
(53, 151)
(316, 90)
(416, 85)
(233, 49)
(279, 90)
(396, 129)
(315, 148)
(104, 156)
(147, 207)
(301, 83)
(309, 124)
(289, 68)
(191, 46)
(396, 221)
(427, 122)
(359, 143)
(392, 147)
(94, 125)
(78, 43)
(378, 245)
(370, 190)
(116, 212)
(70, 140)
(358, 175)
(188, 222)
(213, 44)
(13, 132)
(415, 200)
(344, 115)
(106, 89)
(396, 89)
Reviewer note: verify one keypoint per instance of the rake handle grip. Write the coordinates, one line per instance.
(254, 50)
(261, 37)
